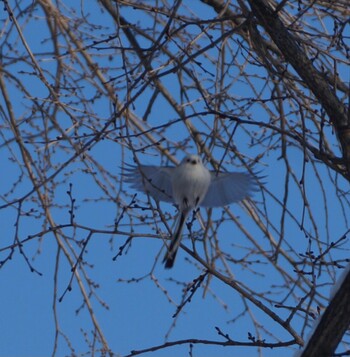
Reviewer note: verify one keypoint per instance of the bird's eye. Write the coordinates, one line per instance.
(188, 160)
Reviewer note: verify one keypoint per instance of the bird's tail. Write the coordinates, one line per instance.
(170, 255)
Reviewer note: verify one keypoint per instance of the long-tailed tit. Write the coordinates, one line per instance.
(189, 185)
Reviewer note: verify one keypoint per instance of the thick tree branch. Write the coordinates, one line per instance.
(313, 79)
(334, 322)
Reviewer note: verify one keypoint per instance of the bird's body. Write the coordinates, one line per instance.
(190, 185)
(190, 182)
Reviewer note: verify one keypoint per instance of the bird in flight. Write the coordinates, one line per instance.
(189, 185)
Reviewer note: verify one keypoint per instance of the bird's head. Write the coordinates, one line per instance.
(191, 160)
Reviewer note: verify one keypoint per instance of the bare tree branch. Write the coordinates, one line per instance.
(314, 79)
(333, 323)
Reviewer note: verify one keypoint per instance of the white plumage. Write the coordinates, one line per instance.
(190, 185)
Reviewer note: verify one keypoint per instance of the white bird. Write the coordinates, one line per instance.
(189, 185)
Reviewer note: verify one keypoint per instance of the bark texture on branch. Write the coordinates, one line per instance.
(317, 82)
(313, 79)
(334, 322)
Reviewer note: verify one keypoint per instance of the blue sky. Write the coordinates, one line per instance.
(139, 314)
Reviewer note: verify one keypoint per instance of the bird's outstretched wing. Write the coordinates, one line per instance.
(229, 187)
(154, 180)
